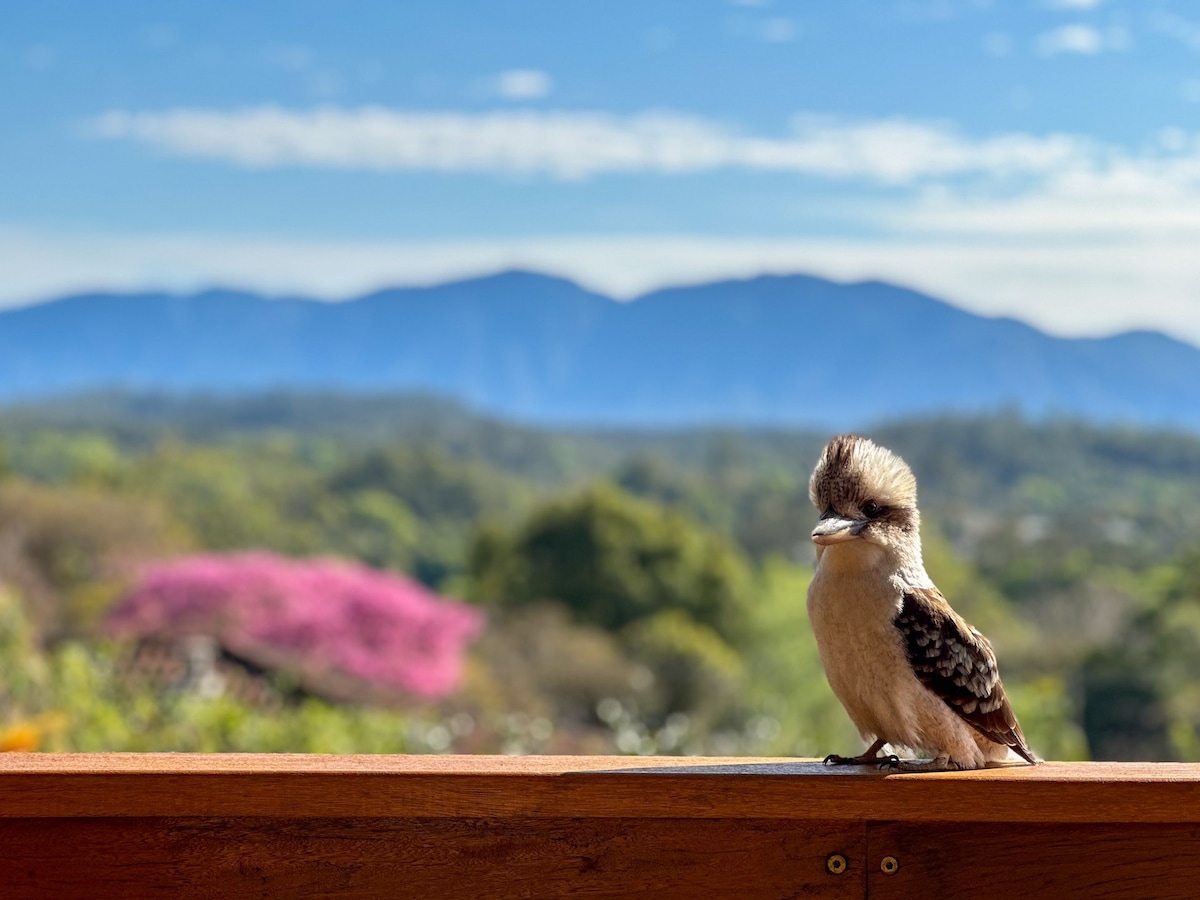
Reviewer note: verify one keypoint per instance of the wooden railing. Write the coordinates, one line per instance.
(134, 825)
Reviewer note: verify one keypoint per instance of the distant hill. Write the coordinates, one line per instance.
(775, 351)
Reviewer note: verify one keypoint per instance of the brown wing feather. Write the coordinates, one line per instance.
(958, 664)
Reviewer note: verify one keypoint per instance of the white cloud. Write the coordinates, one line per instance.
(579, 144)
(1080, 39)
(1069, 233)
(1183, 30)
(1058, 214)
(997, 44)
(523, 84)
(1077, 287)
(1174, 139)
(1111, 196)
(778, 30)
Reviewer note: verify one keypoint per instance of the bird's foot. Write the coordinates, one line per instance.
(937, 764)
(864, 759)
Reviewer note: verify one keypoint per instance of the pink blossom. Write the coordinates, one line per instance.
(317, 617)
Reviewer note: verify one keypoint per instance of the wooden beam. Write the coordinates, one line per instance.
(287, 785)
(429, 859)
(434, 827)
(1099, 862)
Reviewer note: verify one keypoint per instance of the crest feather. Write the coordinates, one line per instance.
(853, 469)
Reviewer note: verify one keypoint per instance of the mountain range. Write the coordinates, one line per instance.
(773, 350)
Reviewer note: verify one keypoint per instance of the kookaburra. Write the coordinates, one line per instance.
(908, 669)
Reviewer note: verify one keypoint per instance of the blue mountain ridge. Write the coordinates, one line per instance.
(773, 350)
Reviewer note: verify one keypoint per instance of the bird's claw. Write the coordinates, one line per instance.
(885, 762)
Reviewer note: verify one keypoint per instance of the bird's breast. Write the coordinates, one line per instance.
(852, 616)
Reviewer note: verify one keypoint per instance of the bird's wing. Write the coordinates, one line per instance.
(958, 664)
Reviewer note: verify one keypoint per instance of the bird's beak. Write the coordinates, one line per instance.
(833, 529)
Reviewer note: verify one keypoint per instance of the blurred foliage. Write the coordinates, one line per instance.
(24, 675)
(645, 592)
(446, 496)
(102, 711)
(69, 550)
(1142, 691)
(693, 670)
(613, 559)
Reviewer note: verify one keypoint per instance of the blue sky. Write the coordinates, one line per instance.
(1039, 158)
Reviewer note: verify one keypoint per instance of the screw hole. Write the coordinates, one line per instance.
(836, 864)
(889, 865)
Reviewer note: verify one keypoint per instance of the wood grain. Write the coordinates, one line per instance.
(175, 785)
(132, 825)
(428, 858)
(1099, 862)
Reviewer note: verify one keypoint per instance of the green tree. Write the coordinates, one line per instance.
(448, 497)
(1142, 692)
(231, 499)
(613, 559)
(375, 527)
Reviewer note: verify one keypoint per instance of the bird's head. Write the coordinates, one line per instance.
(864, 492)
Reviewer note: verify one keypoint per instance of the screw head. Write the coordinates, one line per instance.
(836, 864)
(889, 865)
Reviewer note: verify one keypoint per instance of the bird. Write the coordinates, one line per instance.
(909, 671)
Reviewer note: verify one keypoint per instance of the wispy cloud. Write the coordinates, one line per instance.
(1111, 195)
(1082, 40)
(1060, 229)
(997, 44)
(1009, 185)
(1074, 4)
(1101, 213)
(573, 145)
(1174, 26)
(778, 30)
(523, 84)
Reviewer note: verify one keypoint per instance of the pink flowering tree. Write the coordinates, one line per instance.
(327, 621)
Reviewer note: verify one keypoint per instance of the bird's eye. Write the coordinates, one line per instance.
(871, 509)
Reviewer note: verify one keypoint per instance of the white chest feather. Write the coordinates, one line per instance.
(852, 608)
(852, 605)
(853, 600)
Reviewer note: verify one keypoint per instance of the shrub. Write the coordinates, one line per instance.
(324, 621)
